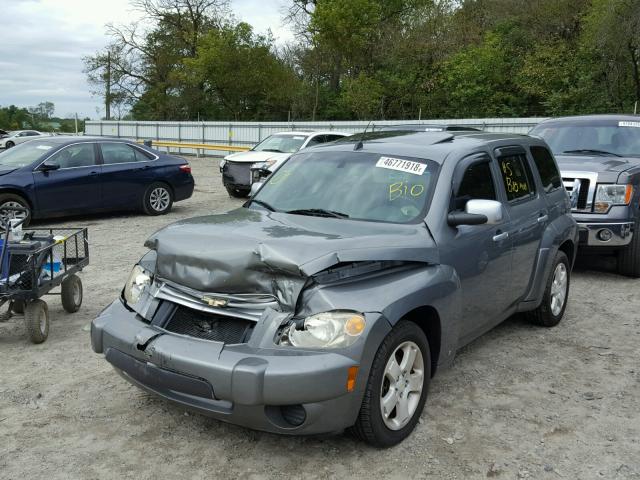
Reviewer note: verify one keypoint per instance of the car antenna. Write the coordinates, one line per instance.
(359, 145)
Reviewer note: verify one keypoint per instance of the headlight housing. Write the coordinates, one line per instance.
(334, 329)
(608, 195)
(139, 279)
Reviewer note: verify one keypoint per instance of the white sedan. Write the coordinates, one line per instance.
(236, 169)
(20, 136)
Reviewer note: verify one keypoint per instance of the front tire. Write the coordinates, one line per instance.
(36, 319)
(13, 200)
(158, 199)
(397, 387)
(629, 256)
(8, 145)
(554, 300)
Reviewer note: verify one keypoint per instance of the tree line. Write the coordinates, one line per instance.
(39, 117)
(374, 59)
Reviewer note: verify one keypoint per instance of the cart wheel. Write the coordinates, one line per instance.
(17, 306)
(71, 293)
(36, 318)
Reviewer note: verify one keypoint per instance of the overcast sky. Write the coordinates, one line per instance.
(43, 43)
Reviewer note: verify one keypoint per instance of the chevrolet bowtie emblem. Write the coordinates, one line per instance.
(215, 302)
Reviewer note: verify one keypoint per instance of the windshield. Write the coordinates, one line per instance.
(356, 185)
(616, 138)
(281, 143)
(24, 154)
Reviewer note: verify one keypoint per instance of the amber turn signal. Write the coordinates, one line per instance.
(351, 378)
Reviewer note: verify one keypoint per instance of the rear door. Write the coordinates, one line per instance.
(126, 173)
(75, 186)
(528, 211)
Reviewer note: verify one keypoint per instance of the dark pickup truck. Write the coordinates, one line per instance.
(599, 159)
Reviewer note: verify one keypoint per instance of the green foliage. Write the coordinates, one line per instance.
(378, 59)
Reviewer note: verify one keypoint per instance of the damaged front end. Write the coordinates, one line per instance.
(233, 316)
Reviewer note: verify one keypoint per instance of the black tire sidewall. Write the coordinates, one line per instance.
(67, 296)
(402, 332)
(32, 312)
(550, 319)
(9, 145)
(148, 209)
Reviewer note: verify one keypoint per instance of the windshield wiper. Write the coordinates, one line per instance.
(592, 150)
(271, 150)
(264, 204)
(318, 212)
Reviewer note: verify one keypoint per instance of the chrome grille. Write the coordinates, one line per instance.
(248, 306)
(581, 187)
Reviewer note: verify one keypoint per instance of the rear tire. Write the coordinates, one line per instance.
(556, 293)
(71, 293)
(13, 200)
(158, 199)
(629, 256)
(36, 319)
(382, 427)
(235, 193)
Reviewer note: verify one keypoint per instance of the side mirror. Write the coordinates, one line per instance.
(254, 188)
(47, 166)
(477, 212)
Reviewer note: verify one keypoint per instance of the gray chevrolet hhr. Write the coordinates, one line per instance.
(331, 298)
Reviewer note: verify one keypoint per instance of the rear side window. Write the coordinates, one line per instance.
(517, 177)
(477, 183)
(121, 153)
(547, 168)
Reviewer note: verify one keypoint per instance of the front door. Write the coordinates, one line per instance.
(480, 254)
(74, 187)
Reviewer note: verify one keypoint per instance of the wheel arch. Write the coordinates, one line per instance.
(428, 319)
(20, 193)
(569, 248)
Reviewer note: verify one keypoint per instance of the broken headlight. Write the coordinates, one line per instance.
(139, 280)
(335, 329)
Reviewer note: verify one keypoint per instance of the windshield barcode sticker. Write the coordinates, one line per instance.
(629, 124)
(401, 165)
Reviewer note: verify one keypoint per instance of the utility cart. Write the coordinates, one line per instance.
(35, 261)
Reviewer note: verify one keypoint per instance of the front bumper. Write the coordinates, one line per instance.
(603, 234)
(240, 384)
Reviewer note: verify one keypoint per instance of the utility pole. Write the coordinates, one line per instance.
(76, 123)
(107, 95)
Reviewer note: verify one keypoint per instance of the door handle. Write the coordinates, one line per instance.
(93, 173)
(501, 236)
(543, 218)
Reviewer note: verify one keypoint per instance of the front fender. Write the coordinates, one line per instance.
(394, 295)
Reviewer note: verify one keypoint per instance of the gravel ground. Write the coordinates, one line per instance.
(520, 402)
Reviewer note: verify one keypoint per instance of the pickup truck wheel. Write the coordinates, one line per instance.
(397, 387)
(554, 301)
(629, 256)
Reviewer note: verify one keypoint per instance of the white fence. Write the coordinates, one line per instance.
(249, 133)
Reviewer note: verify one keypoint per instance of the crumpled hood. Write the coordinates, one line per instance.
(608, 168)
(253, 157)
(252, 251)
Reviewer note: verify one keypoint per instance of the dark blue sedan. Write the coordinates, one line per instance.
(60, 176)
